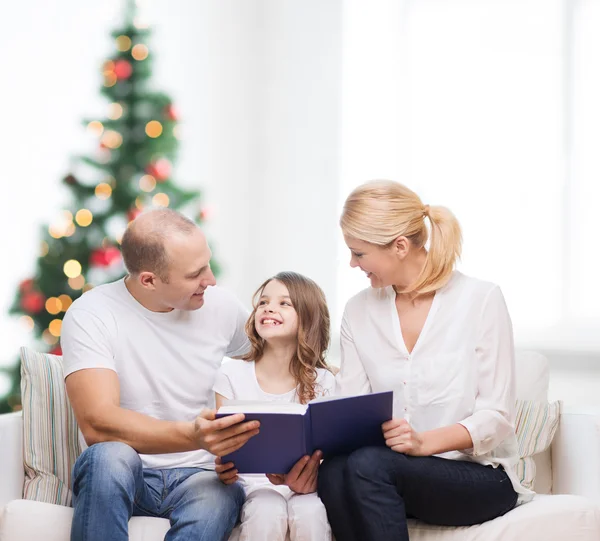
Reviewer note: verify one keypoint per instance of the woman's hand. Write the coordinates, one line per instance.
(402, 438)
(302, 478)
(226, 472)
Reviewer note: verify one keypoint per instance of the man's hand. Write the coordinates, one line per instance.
(227, 472)
(402, 438)
(222, 436)
(302, 478)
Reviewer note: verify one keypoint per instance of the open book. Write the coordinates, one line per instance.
(334, 425)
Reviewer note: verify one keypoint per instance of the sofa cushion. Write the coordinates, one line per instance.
(546, 518)
(536, 424)
(50, 433)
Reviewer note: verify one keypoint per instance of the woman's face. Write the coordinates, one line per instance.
(379, 263)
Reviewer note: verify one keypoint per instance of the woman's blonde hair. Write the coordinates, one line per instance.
(309, 302)
(380, 211)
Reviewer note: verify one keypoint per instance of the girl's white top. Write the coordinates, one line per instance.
(461, 370)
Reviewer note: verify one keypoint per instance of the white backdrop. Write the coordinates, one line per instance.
(487, 106)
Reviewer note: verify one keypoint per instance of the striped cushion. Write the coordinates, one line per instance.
(536, 424)
(50, 433)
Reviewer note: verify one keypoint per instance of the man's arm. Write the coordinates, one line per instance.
(94, 396)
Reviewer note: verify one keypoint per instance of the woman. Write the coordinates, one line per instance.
(443, 343)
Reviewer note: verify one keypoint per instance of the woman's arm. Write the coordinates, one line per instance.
(352, 378)
(402, 438)
(492, 418)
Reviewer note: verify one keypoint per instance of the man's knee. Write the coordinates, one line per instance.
(205, 493)
(108, 461)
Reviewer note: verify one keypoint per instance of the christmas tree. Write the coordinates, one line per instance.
(129, 171)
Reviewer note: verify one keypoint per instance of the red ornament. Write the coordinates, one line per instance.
(70, 180)
(133, 214)
(104, 257)
(205, 214)
(160, 169)
(33, 302)
(171, 112)
(56, 351)
(26, 285)
(123, 69)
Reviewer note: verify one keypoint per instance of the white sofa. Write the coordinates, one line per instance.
(570, 468)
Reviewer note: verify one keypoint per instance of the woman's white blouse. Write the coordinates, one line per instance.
(461, 370)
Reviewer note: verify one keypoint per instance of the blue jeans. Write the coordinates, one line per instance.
(370, 493)
(110, 486)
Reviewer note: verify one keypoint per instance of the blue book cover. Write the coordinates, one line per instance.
(337, 425)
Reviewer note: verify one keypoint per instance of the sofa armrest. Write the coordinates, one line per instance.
(576, 455)
(11, 457)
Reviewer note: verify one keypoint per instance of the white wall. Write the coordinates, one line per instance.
(262, 86)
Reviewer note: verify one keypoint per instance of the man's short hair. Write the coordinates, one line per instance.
(143, 244)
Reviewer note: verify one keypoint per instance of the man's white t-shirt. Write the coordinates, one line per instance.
(166, 361)
(236, 380)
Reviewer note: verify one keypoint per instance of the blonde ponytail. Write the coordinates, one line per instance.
(379, 212)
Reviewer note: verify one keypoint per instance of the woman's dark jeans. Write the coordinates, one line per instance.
(370, 493)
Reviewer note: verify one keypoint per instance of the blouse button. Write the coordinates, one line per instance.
(404, 382)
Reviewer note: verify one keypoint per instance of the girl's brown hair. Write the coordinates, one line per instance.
(309, 302)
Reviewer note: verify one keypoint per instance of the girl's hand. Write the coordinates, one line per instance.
(226, 472)
(302, 478)
(402, 438)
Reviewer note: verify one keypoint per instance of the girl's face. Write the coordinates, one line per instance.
(276, 318)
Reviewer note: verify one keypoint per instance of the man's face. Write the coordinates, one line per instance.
(189, 272)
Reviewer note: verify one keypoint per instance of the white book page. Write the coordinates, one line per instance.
(245, 406)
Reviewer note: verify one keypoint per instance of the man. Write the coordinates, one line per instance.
(140, 357)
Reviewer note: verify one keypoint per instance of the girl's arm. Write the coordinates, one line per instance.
(219, 400)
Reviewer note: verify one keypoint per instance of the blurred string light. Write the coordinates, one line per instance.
(103, 191)
(53, 305)
(110, 78)
(65, 302)
(76, 283)
(49, 338)
(147, 183)
(44, 249)
(63, 226)
(139, 52)
(161, 200)
(154, 129)
(123, 43)
(177, 132)
(95, 127)
(72, 268)
(27, 322)
(84, 217)
(112, 139)
(55, 327)
(115, 111)
(139, 203)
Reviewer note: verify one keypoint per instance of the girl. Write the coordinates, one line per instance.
(289, 334)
